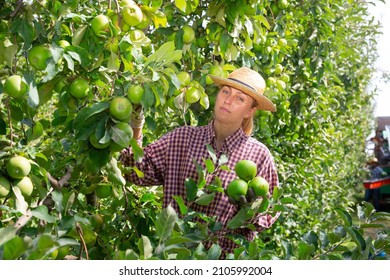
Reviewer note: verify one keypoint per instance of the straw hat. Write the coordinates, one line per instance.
(249, 82)
(373, 161)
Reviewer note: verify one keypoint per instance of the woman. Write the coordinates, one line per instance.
(170, 160)
(376, 172)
